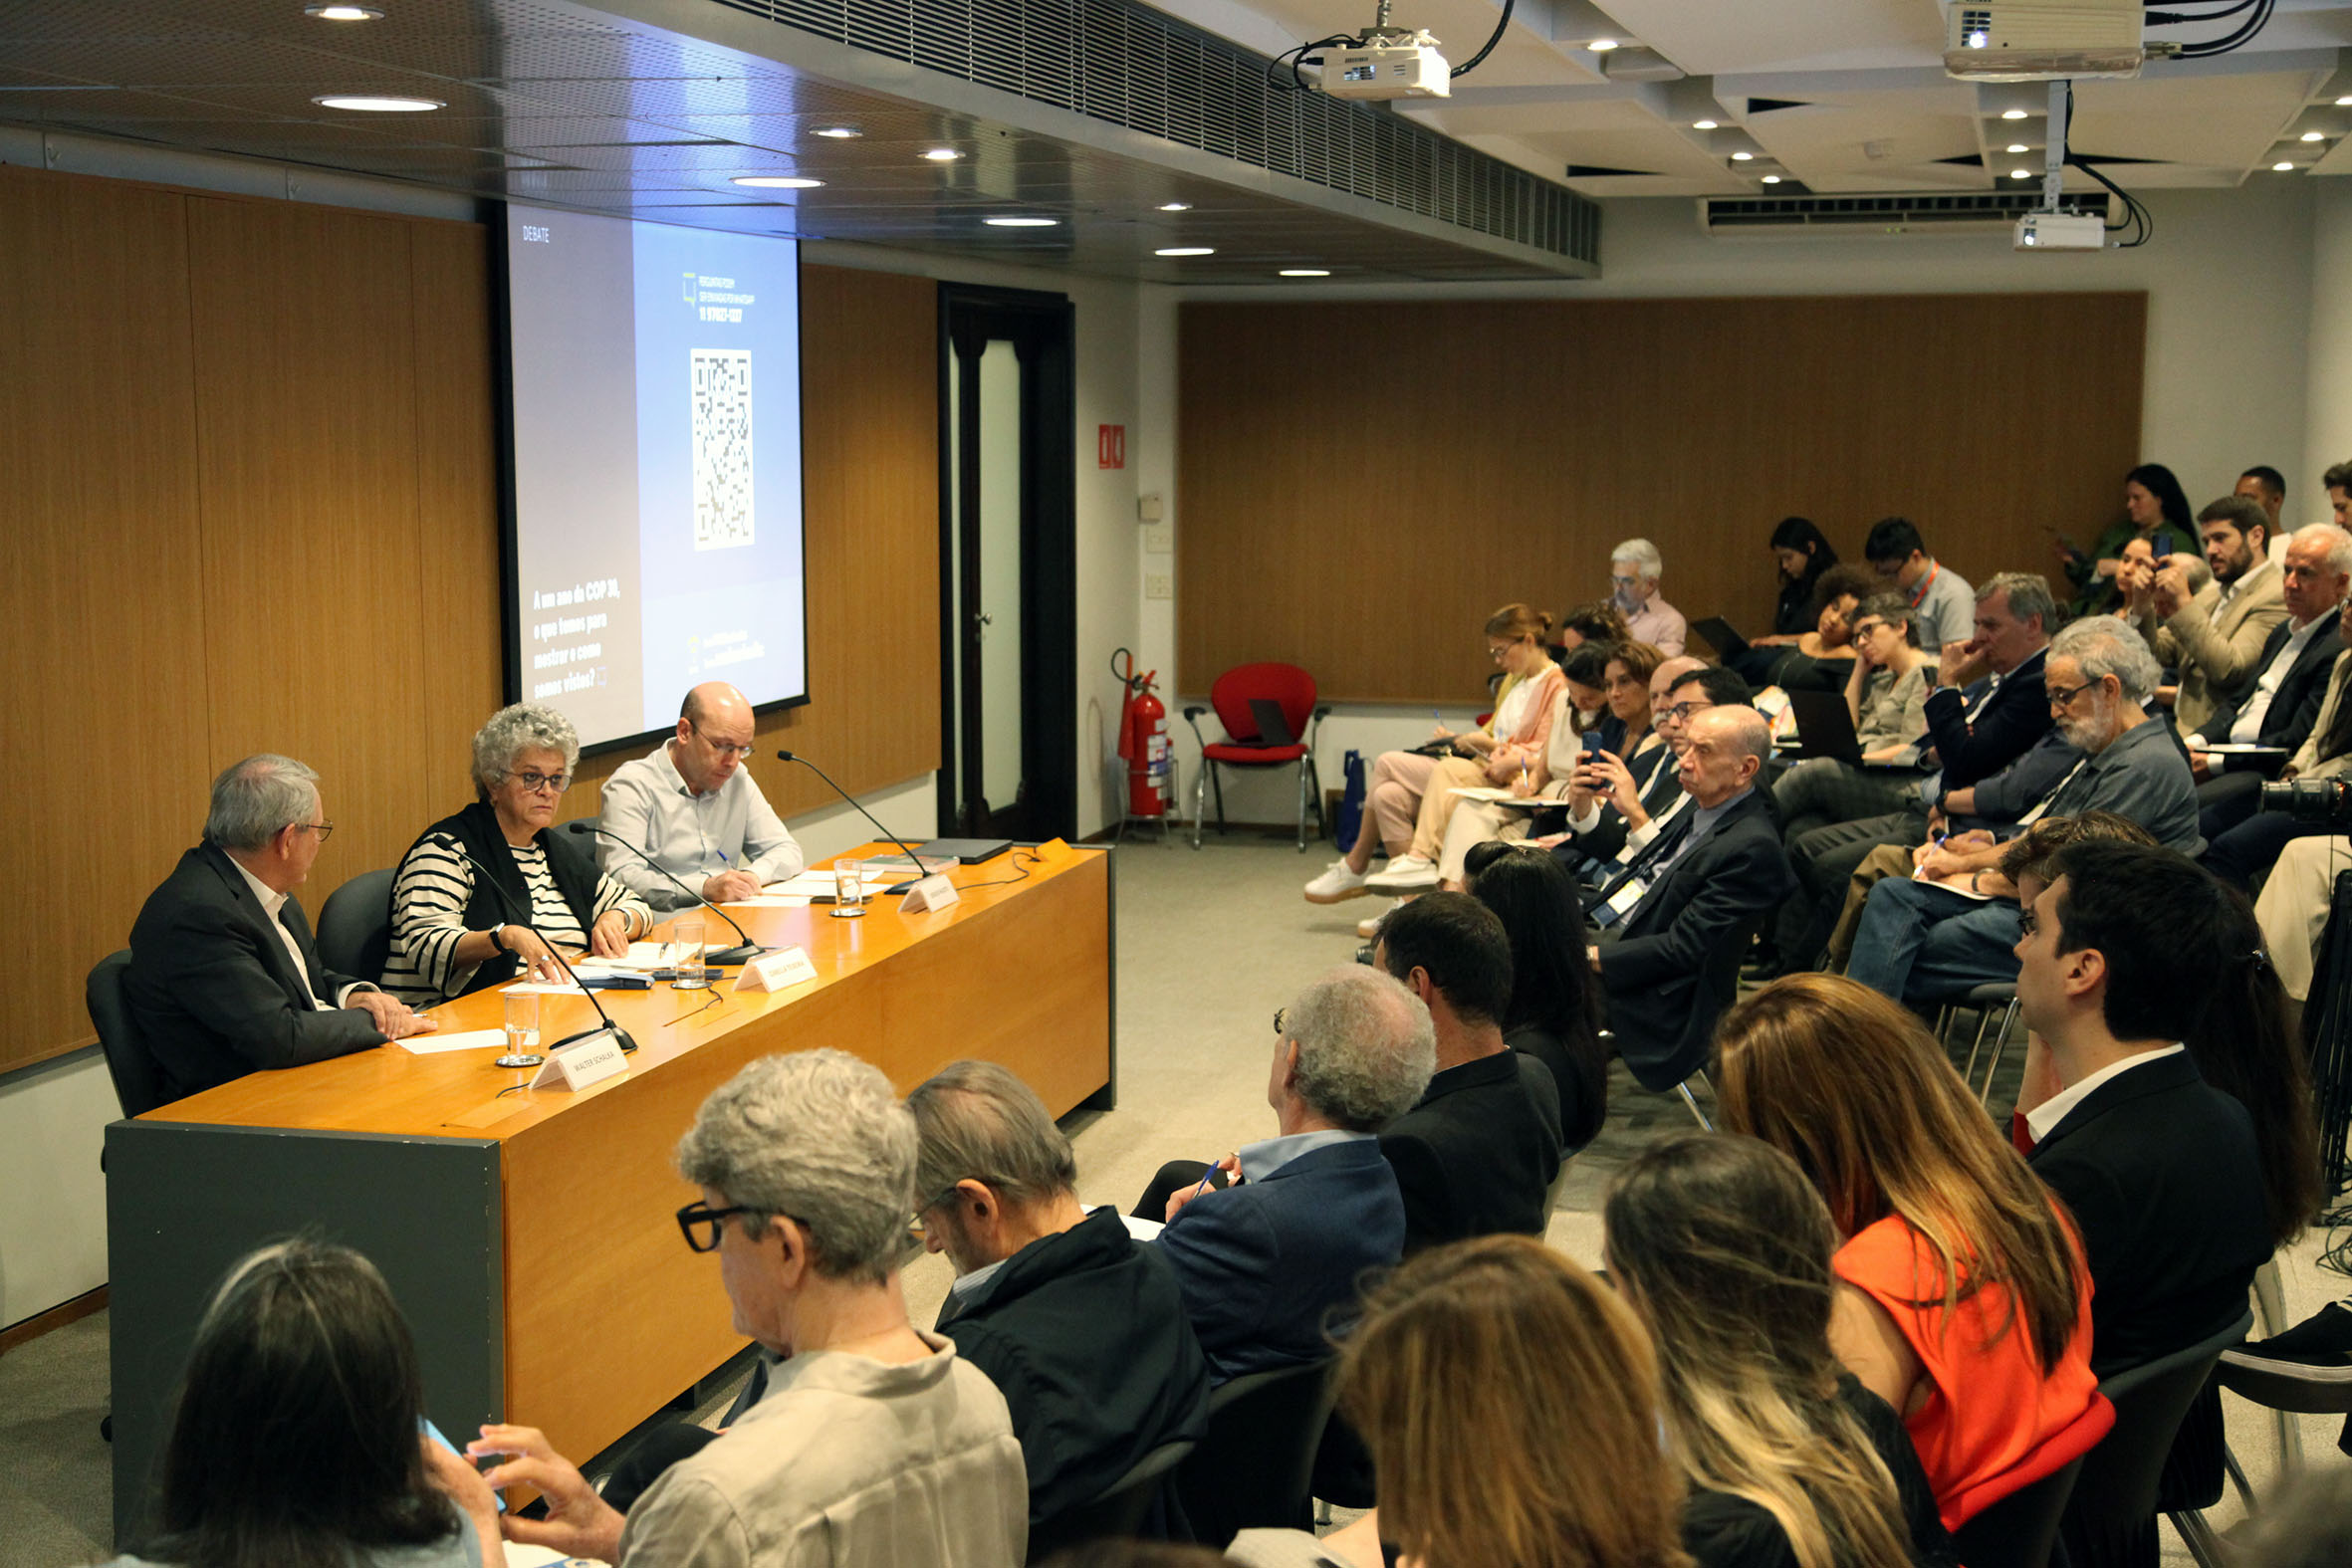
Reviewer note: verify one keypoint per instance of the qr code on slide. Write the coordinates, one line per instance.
(721, 448)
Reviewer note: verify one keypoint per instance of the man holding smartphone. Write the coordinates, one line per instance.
(2215, 637)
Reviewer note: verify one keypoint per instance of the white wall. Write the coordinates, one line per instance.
(2237, 284)
(53, 1218)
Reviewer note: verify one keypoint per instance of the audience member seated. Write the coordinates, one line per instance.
(1961, 1298)
(1554, 1009)
(1885, 699)
(1598, 621)
(2292, 684)
(1586, 670)
(2213, 637)
(1940, 595)
(1511, 741)
(1716, 871)
(1634, 569)
(1079, 1326)
(1802, 552)
(1271, 1261)
(2337, 482)
(224, 979)
(454, 930)
(1723, 1252)
(1511, 1403)
(1615, 795)
(873, 1443)
(691, 805)
(2293, 905)
(1820, 660)
(1478, 1152)
(297, 1434)
(1953, 926)
(2155, 509)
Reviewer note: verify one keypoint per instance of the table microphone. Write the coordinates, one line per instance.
(912, 858)
(736, 954)
(620, 1034)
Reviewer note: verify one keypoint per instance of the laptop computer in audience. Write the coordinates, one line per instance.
(1825, 728)
(1727, 643)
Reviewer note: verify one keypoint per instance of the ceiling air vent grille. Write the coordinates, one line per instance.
(1930, 213)
(1127, 65)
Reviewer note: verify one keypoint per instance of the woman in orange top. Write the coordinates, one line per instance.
(1961, 1298)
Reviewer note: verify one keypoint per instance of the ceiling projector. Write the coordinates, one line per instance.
(1389, 63)
(2043, 40)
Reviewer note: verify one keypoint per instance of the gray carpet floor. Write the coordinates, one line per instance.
(1210, 944)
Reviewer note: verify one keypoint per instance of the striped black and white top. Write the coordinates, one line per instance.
(429, 898)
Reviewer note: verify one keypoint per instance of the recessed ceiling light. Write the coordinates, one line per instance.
(1702, 125)
(2018, 146)
(1307, 272)
(2283, 168)
(1742, 157)
(344, 13)
(1772, 179)
(1175, 206)
(2345, 101)
(378, 102)
(2013, 113)
(2021, 173)
(2314, 135)
(942, 155)
(1021, 223)
(1601, 46)
(1186, 250)
(777, 182)
(841, 132)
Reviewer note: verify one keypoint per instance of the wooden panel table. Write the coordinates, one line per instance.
(528, 1233)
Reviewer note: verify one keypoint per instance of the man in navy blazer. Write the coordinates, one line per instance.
(1269, 1263)
(224, 977)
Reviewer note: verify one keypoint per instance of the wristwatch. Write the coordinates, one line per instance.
(498, 940)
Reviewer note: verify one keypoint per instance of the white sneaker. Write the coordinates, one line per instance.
(1337, 883)
(1369, 925)
(1404, 874)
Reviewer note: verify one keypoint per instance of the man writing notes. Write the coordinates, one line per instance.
(691, 806)
(224, 977)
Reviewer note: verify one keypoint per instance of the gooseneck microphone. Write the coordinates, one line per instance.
(744, 954)
(912, 859)
(524, 920)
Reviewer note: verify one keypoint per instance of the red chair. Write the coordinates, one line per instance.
(1286, 685)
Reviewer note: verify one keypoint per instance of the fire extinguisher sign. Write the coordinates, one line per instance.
(1111, 446)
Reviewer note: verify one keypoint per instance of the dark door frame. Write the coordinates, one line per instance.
(1043, 329)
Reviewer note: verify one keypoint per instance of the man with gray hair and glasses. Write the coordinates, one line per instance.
(874, 1442)
(1076, 1322)
(224, 977)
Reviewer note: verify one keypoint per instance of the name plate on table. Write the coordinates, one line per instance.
(575, 1066)
(932, 892)
(778, 970)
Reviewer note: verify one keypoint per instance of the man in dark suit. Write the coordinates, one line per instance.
(1669, 922)
(1477, 1154)
(1272, 1262)
(224, 977)
(1081, 1327)
(2161, 1170)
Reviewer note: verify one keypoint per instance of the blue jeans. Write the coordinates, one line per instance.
(1918, 943)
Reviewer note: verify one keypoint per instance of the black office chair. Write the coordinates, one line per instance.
(1253, 1468)
(2115, 1498)
(2019, 1530)
(139, 1081)
(356, 927)
(1673, 1069)
(1119, 1512)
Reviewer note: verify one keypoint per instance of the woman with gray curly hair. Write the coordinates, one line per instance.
(452, 929)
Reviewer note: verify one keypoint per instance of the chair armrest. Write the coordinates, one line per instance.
(1192, 717)
(1315, 723)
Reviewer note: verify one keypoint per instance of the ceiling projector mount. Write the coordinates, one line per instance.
(2048, 39)
(1382, 62)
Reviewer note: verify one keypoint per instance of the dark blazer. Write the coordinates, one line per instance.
(2017, 715)
(210, 987)
(1263, 1265)
(1655, 781)
(1477, 1154)
(1085, 1335)
(1664, 969)
(2287, 720)
(2161, 1173)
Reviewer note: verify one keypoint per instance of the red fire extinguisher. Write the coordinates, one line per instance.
(1143, 739)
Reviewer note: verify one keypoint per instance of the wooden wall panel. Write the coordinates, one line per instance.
(1361, 508)
(101, 624)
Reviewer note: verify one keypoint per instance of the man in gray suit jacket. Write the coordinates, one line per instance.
(224, 977)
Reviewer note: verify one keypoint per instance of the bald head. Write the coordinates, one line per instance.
(1724, 748)
(714, 735)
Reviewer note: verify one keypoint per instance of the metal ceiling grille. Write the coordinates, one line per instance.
(1930, 209)
(1127, 65)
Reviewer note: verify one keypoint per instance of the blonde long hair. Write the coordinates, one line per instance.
(1858, 1093)
(1511, 1403)
(1724, 1250)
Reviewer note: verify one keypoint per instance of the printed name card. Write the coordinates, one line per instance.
(591, 1060)
(778, 970)
(933, 892)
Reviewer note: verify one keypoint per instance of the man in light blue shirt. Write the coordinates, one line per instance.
(692, 808)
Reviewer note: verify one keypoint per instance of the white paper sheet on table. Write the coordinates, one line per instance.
(769, 901)
(465, 1039)
(536, 987)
